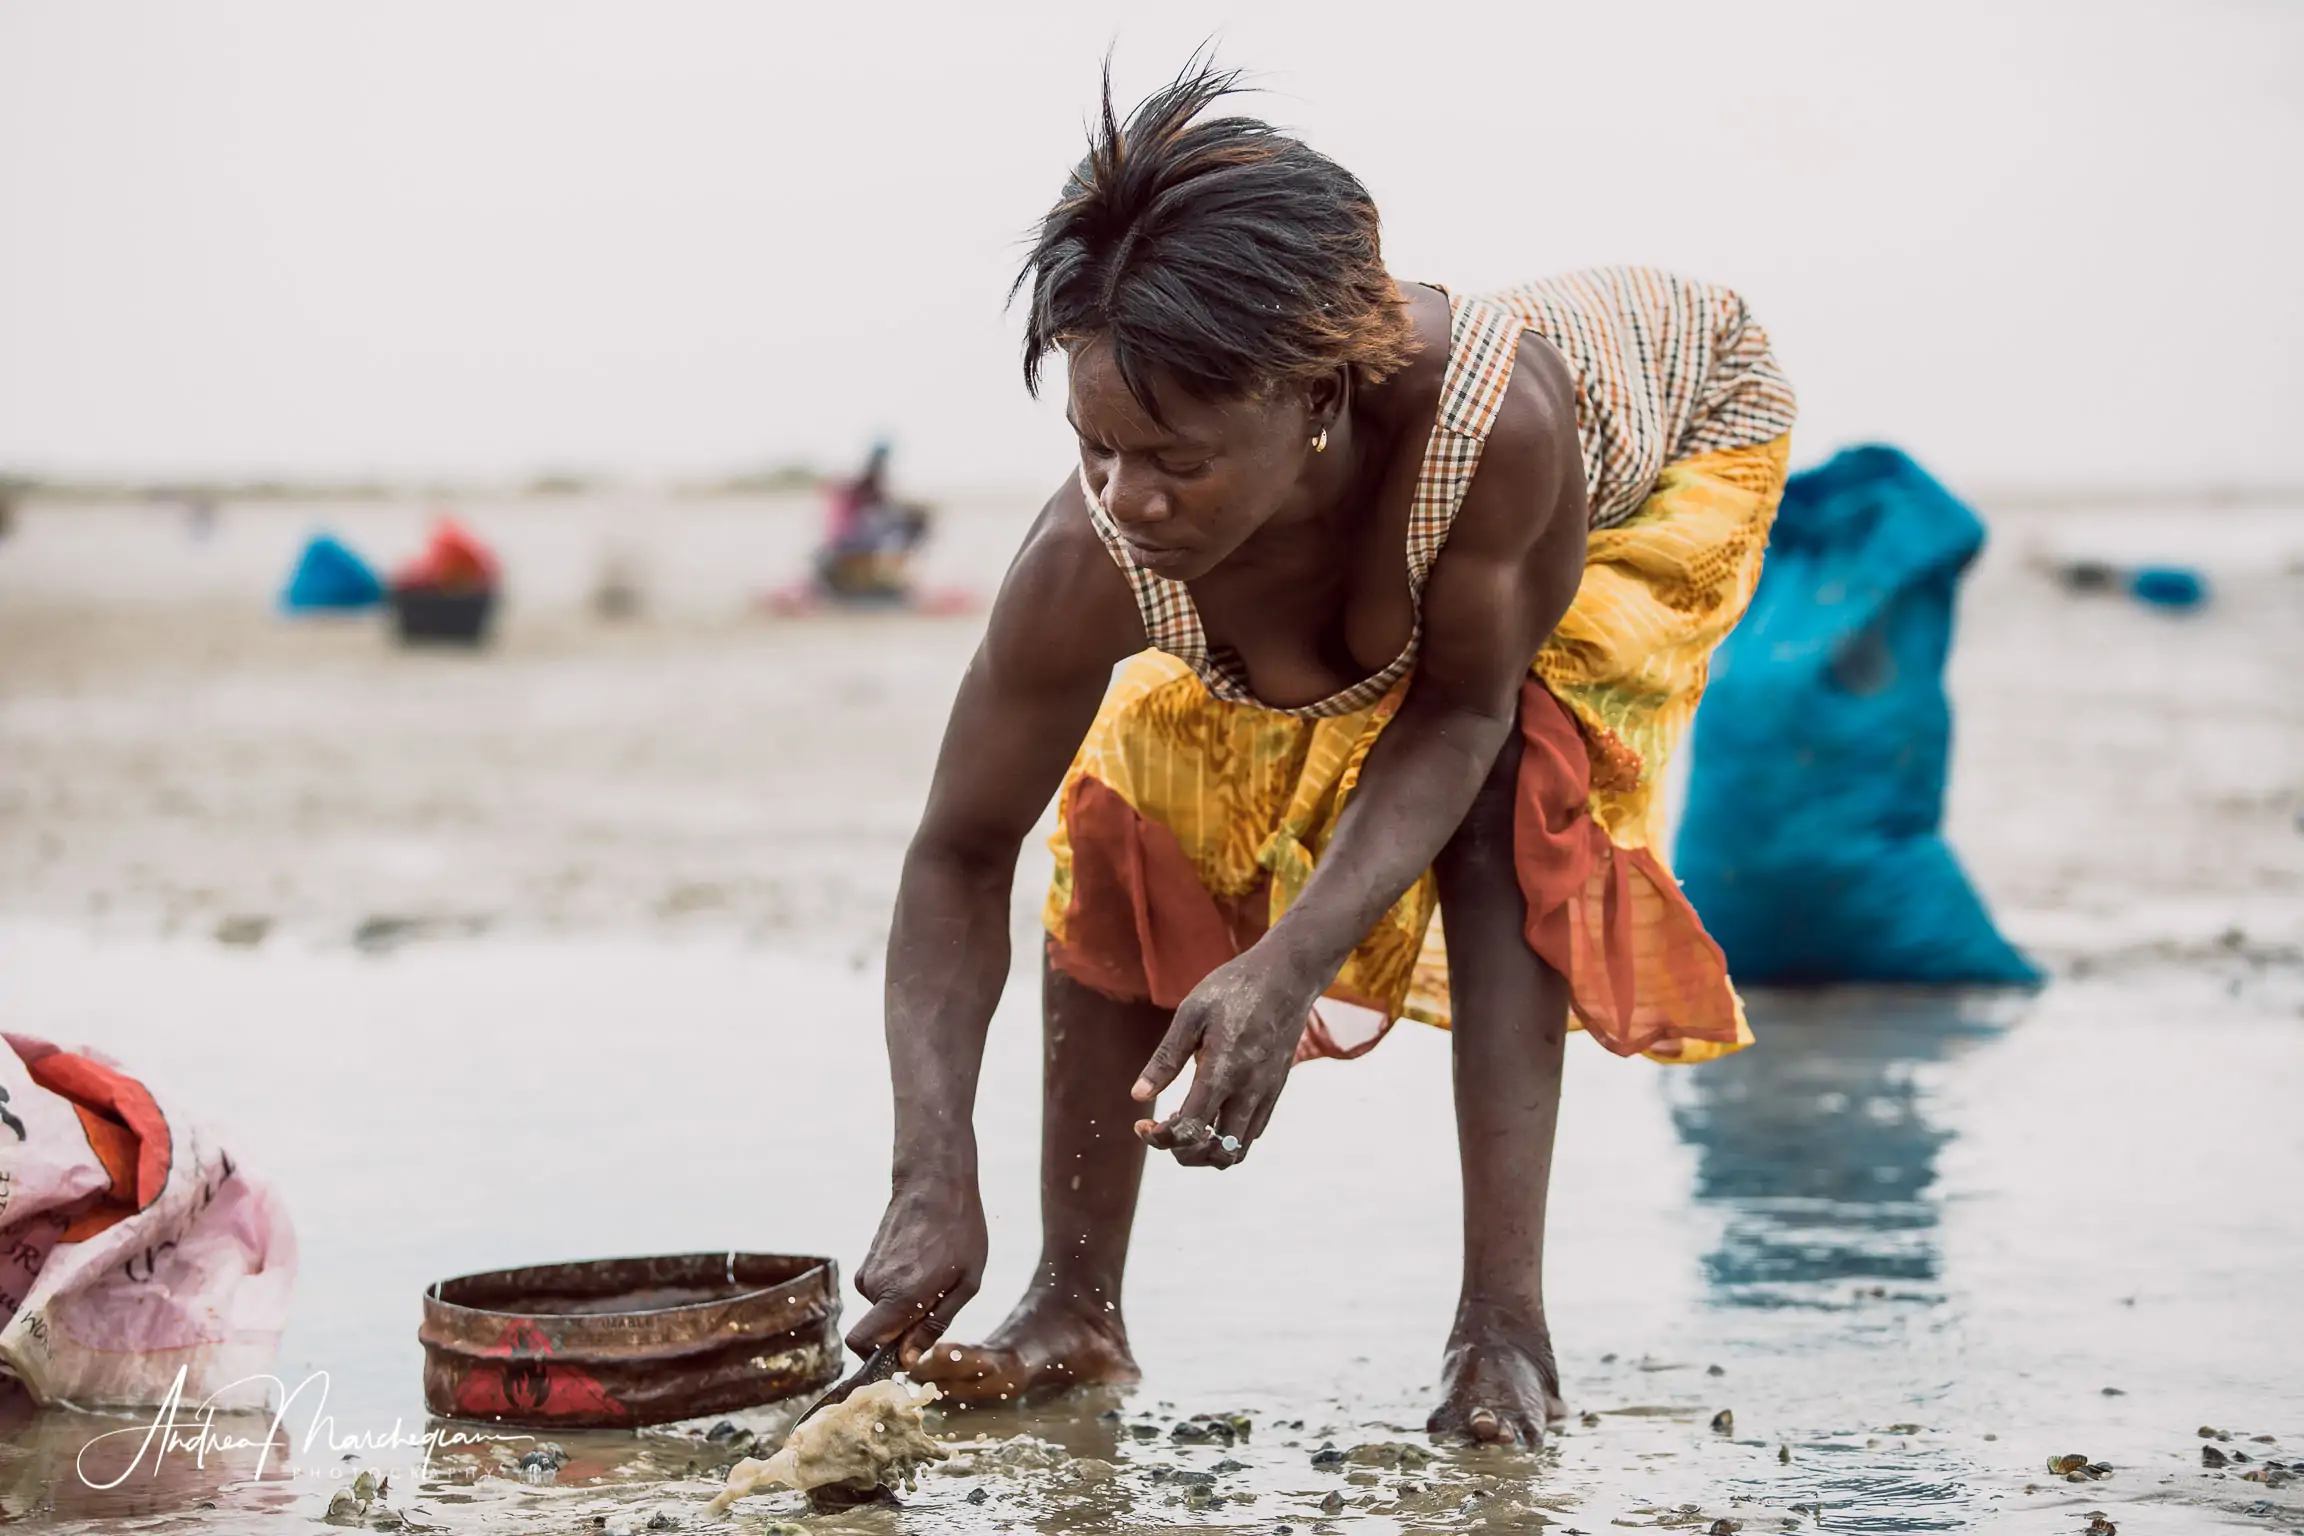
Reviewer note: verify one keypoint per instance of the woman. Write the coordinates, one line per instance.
(1419, 588)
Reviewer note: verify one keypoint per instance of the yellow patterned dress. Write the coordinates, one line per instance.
(1193, 814)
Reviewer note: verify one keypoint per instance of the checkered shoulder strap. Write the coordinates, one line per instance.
(1484, 343)
(1171, 623)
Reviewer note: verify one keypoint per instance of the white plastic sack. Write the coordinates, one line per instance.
(132, 1244)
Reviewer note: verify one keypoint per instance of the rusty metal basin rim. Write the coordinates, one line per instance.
(623, 1342)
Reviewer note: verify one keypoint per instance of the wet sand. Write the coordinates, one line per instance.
(571, 950)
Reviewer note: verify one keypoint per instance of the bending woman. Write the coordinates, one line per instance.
(1419, 588)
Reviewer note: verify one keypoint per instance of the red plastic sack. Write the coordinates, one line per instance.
(132, 1245)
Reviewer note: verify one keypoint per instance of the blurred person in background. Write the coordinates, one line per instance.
(869, 537)
(1415, 591)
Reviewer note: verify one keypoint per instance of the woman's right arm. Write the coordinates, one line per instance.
(1063, 618)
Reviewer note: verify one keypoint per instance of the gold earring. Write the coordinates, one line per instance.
(1320, 443)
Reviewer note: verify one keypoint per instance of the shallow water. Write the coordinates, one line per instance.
(1916, 1245)
(1918, 1237)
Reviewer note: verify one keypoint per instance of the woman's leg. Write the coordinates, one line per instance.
(1067, 1329)
(1510, 1017)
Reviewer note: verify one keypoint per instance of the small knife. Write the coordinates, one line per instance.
(879, 1365)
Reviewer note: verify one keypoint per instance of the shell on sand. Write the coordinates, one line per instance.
(878, 1430)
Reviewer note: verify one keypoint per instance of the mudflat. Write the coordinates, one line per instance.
(569, 948)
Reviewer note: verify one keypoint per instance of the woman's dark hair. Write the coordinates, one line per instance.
(1220, 252)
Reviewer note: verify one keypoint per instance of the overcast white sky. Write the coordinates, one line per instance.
(2034, 243)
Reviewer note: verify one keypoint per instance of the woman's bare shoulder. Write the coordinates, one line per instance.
(1531, 472)
(1515, 554)
(1539, 404)
(1065, 606)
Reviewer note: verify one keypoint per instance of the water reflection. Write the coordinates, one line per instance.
(62, 1469)
(1820, 1147)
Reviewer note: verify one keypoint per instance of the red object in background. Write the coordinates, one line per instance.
(453, 561)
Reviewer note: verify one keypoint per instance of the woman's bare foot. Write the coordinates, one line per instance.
(1499, 1383)
(1048, 1343)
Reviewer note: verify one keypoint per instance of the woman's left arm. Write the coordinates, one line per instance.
(1508, 572)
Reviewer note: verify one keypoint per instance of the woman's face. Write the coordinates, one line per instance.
(1186, 495)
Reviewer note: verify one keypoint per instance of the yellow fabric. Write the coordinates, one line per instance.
(1251, 793)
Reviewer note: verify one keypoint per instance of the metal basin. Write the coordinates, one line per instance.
(616, 1343)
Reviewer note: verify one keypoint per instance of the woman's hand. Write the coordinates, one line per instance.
(1243, 1022)
(926, 1262)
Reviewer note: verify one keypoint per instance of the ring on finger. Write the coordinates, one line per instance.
(1194, 1130)
(1231, 1144)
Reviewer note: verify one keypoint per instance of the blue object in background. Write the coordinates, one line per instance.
(1811, 846)
(2167, 586)
(329, 578)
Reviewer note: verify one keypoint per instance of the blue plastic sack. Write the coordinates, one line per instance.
(1811, 843)
(2167, 586)
(329, 578)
